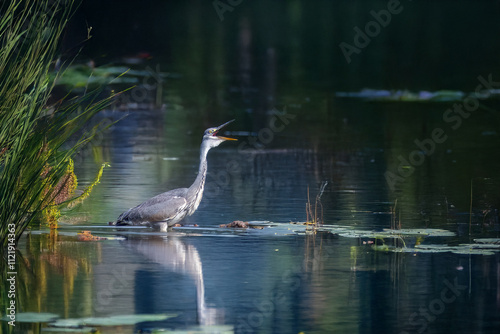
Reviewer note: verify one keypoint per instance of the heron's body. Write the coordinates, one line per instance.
(169, 208)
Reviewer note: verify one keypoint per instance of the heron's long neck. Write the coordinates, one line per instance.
(198, 185)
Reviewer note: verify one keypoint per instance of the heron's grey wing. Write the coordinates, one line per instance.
(162, 207)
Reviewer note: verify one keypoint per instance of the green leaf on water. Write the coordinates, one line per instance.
(33, 317)
(383, 248)
(116, 320)
(429, 232)
(350, 232)
(467, 249)
(220, 329)
(81, 330)
(495, 241)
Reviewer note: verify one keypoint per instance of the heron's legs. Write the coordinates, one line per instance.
(163, 227)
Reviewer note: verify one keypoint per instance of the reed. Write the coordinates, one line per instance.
(395, 221)
(314, 215)
(34, 150)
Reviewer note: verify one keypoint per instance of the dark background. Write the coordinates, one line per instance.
(429, 45)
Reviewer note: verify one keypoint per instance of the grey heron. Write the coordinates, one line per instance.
(169, 208)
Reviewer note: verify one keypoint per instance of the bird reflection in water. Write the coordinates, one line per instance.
(177, 256)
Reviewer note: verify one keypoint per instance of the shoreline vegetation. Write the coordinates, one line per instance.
(38, 140)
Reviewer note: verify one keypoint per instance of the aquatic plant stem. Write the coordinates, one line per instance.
(470, 209)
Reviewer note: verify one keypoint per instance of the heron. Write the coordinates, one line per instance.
(169, 208)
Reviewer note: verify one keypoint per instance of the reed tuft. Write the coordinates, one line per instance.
(35, 145)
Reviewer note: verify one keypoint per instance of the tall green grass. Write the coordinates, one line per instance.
(34, 150)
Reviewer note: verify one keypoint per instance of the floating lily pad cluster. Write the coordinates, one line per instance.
(97, 324)
(86, 325)
(377, 95)
(476, 248)
(83, 75)
(484, 246)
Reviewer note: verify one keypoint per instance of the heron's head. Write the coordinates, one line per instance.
(212, 139)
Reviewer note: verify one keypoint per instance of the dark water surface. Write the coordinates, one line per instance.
(260, 282)
(275, 67)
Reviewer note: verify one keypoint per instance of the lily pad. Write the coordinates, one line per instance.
(133, 319)
(34, 317)
(116, 320)
(472, 251)
(82, 330)
(468, 249)
(222, 329)
(495, 241)
(422, 250)
(283, 229)
(430, 232)
(360, 234)
(482, 246)
(404, 95)
(385, 248)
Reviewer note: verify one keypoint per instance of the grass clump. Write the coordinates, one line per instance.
(35, 157)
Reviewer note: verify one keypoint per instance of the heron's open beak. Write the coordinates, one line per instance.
(220, 127)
